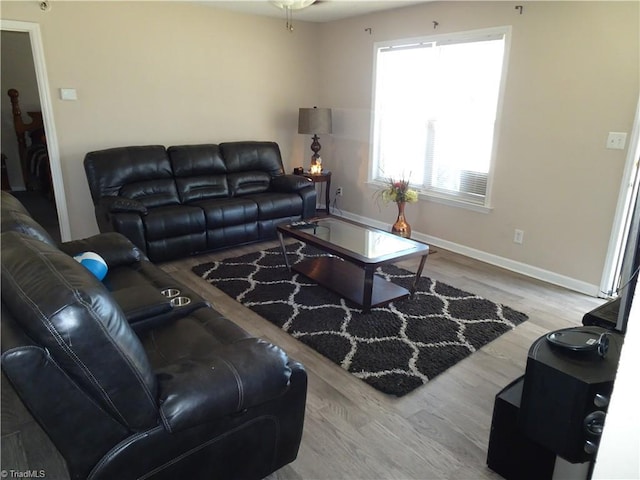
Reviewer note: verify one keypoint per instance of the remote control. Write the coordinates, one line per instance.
(301, 225)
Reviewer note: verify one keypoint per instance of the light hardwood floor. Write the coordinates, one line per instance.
(439, 431)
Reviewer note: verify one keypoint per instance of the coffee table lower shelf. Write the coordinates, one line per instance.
(348, 280)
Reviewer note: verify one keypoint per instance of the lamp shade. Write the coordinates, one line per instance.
(314, 120)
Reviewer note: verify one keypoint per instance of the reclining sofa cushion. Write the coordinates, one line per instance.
(126, 182)
(251, 373)
(140, 173)
(230, 221)
(173, 221)
(64, 308)
(174, 228)
(16, 218)
(200, 172)
(229, 211)
(252, 156)
(276, 205)
(256, 172)
(205, 353)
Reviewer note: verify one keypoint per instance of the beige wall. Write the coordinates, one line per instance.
(573, 77)
(171, 73)
(168, 73)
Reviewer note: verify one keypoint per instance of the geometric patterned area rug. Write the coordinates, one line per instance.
(395, 348)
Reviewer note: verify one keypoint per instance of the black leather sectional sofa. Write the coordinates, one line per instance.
(129, 383)
(189, 199)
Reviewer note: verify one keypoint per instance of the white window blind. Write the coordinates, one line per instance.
(435, 108)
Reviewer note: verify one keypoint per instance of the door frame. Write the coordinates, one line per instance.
(37, 50)
(629, 188)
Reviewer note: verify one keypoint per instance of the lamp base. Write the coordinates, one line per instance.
(315, 147)
(316, 165)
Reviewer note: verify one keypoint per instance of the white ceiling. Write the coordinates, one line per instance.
(321, 11)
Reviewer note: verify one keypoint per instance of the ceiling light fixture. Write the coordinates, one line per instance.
(289, 6)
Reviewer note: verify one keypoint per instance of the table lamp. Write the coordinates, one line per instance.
(315, 121)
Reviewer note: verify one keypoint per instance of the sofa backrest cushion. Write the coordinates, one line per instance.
(14, 217)
(64, 308)
(250, 165)
(142, 173)
(200, 172)
(248, 182)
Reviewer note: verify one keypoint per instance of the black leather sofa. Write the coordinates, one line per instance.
(189, 199)
(128, 385)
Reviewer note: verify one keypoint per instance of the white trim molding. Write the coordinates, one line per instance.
(37, 50)
(506, 263)
(628, 190)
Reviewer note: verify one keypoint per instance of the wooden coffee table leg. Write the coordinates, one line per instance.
(368, 289)
(284, 250)
(418, 275)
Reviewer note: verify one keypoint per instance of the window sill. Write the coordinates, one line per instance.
(452, 202)
(444, 200)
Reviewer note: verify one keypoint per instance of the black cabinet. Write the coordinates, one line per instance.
(555, 411)
(512, 454)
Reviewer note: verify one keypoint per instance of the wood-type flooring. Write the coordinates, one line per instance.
(438, 431)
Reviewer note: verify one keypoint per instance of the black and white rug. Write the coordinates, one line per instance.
(394, 348)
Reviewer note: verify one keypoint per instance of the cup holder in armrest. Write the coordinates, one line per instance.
(180, 301)
(141, 302)
(170, 292)
(175, 297)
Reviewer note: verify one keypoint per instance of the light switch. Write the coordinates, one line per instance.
(616, 140)
(68, 94)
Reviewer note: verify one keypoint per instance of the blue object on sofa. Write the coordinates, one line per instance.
(190, 199)
(93, 262)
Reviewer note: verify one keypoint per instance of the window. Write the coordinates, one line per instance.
(435, 107)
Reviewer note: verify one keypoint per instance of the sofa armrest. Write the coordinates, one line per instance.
(122, 205)
(108, 208)
(115, 248)
(51, 395)
(230, 379)
(290, 183)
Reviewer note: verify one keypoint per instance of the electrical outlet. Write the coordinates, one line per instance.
(518, 236)
(339, 192)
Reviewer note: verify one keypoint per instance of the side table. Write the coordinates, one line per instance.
(324, 177)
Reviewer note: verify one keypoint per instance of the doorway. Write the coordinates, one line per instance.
(629, 190)
(32, 30)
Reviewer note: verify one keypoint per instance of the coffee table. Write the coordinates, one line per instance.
(356, 250)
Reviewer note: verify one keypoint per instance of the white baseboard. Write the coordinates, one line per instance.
(506, 263)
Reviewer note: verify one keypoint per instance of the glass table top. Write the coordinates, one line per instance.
(359, 239)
